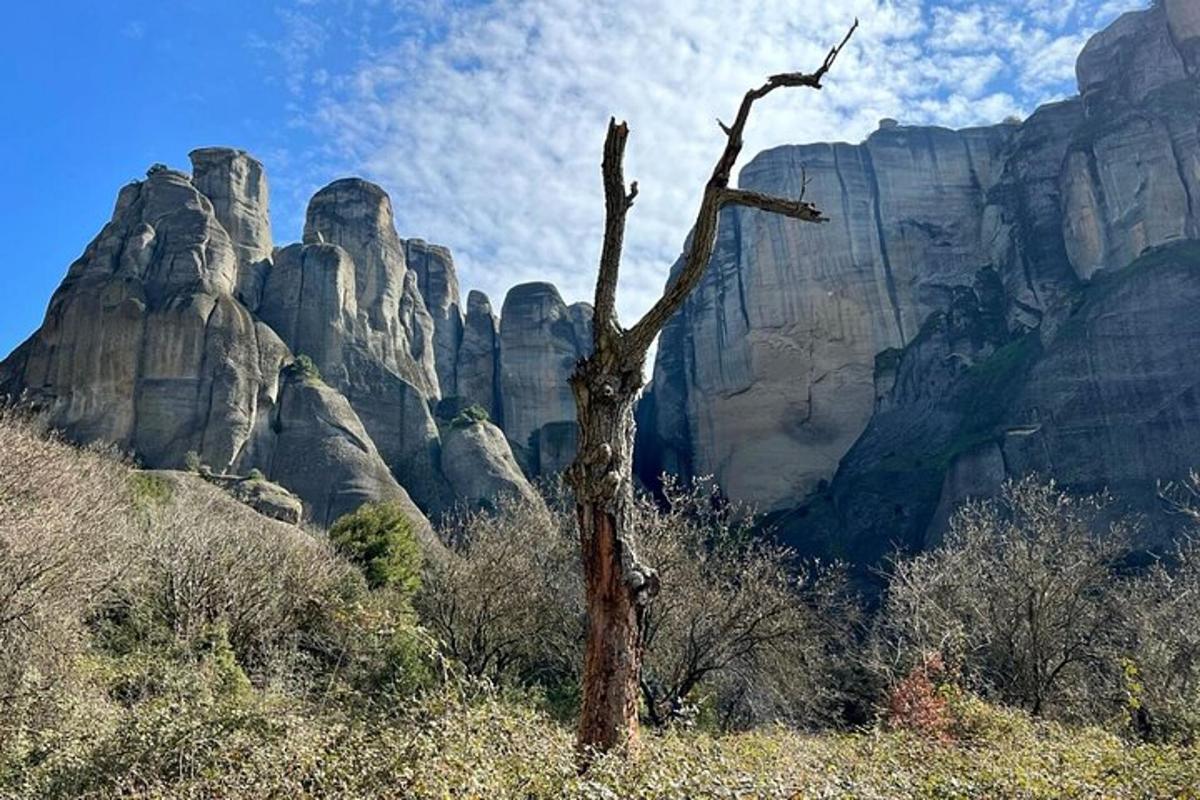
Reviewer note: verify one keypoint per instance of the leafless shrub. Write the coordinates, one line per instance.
(149, 560)
(1022, 600)
(204, 560)
(63, 535)
(737, 638)
(509, 607)
(739, 632)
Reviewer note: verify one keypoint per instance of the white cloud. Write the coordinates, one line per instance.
(485, 123)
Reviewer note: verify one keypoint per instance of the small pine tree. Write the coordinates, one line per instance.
(379, 539)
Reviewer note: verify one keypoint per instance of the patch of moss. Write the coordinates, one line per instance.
(987, 390)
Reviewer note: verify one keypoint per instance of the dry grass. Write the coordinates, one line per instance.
(159, 640)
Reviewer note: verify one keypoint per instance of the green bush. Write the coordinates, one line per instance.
(469, 416)
(192, 461)
(256, 475)
(305, 368)
(379, 538)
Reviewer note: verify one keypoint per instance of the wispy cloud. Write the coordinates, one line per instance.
(485, 122)
(134, 29)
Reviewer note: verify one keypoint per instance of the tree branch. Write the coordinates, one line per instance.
(796, 209)
(617, 202)
(716, 195)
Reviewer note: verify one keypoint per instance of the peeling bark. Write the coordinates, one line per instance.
(619, 587)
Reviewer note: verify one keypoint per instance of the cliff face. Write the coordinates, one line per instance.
(765, 379)
(541, 338)
(938, 334)
(178, 329)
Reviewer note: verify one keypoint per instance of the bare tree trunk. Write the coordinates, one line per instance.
(619, 587)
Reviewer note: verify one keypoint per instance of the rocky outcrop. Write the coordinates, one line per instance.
(172, 335)
(541, 339)
(480, 467)
(181, 329)
(765, 378)
(322, 452)
(392, 324)
(1114, 400)
(143, 344)
(1132, 175)
(438, 282)
(235, 184)
(267, 498)
(313, 297)
(862, 377)
(477, 363)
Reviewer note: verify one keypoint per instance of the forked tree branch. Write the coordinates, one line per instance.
(717, 194)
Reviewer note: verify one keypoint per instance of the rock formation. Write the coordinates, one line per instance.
(477, 373)
(541, 338)
(181, 329)
(969, 314)
(479, 465)
(235, 184)
(438, 283)
(985, 302)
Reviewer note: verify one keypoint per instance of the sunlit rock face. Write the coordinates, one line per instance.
(857, 375)
(178, 329)
(771, 362)
(235, 183)
(541, 339)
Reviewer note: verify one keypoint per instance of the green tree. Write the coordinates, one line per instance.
(379, 538)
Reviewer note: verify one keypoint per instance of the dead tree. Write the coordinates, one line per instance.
(606, 384)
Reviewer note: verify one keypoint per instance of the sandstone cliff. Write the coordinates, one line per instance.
(938, 335)
(179, 329)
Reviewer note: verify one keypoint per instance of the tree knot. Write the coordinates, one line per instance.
(643, 582)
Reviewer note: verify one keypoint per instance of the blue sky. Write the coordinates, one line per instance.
(483, 119)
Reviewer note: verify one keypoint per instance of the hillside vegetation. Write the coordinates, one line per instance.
(160, 639)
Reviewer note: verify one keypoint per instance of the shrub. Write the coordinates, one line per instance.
(305, 368)
(915, 703)
(469, 416)
(379, 538)
(191, 461)
(1158, 659)
(149, 490)
(204, 560)
(64, 542)
(256, 475)
(733, 640)
(1023, 600)
(736, 637)
(509, 606)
